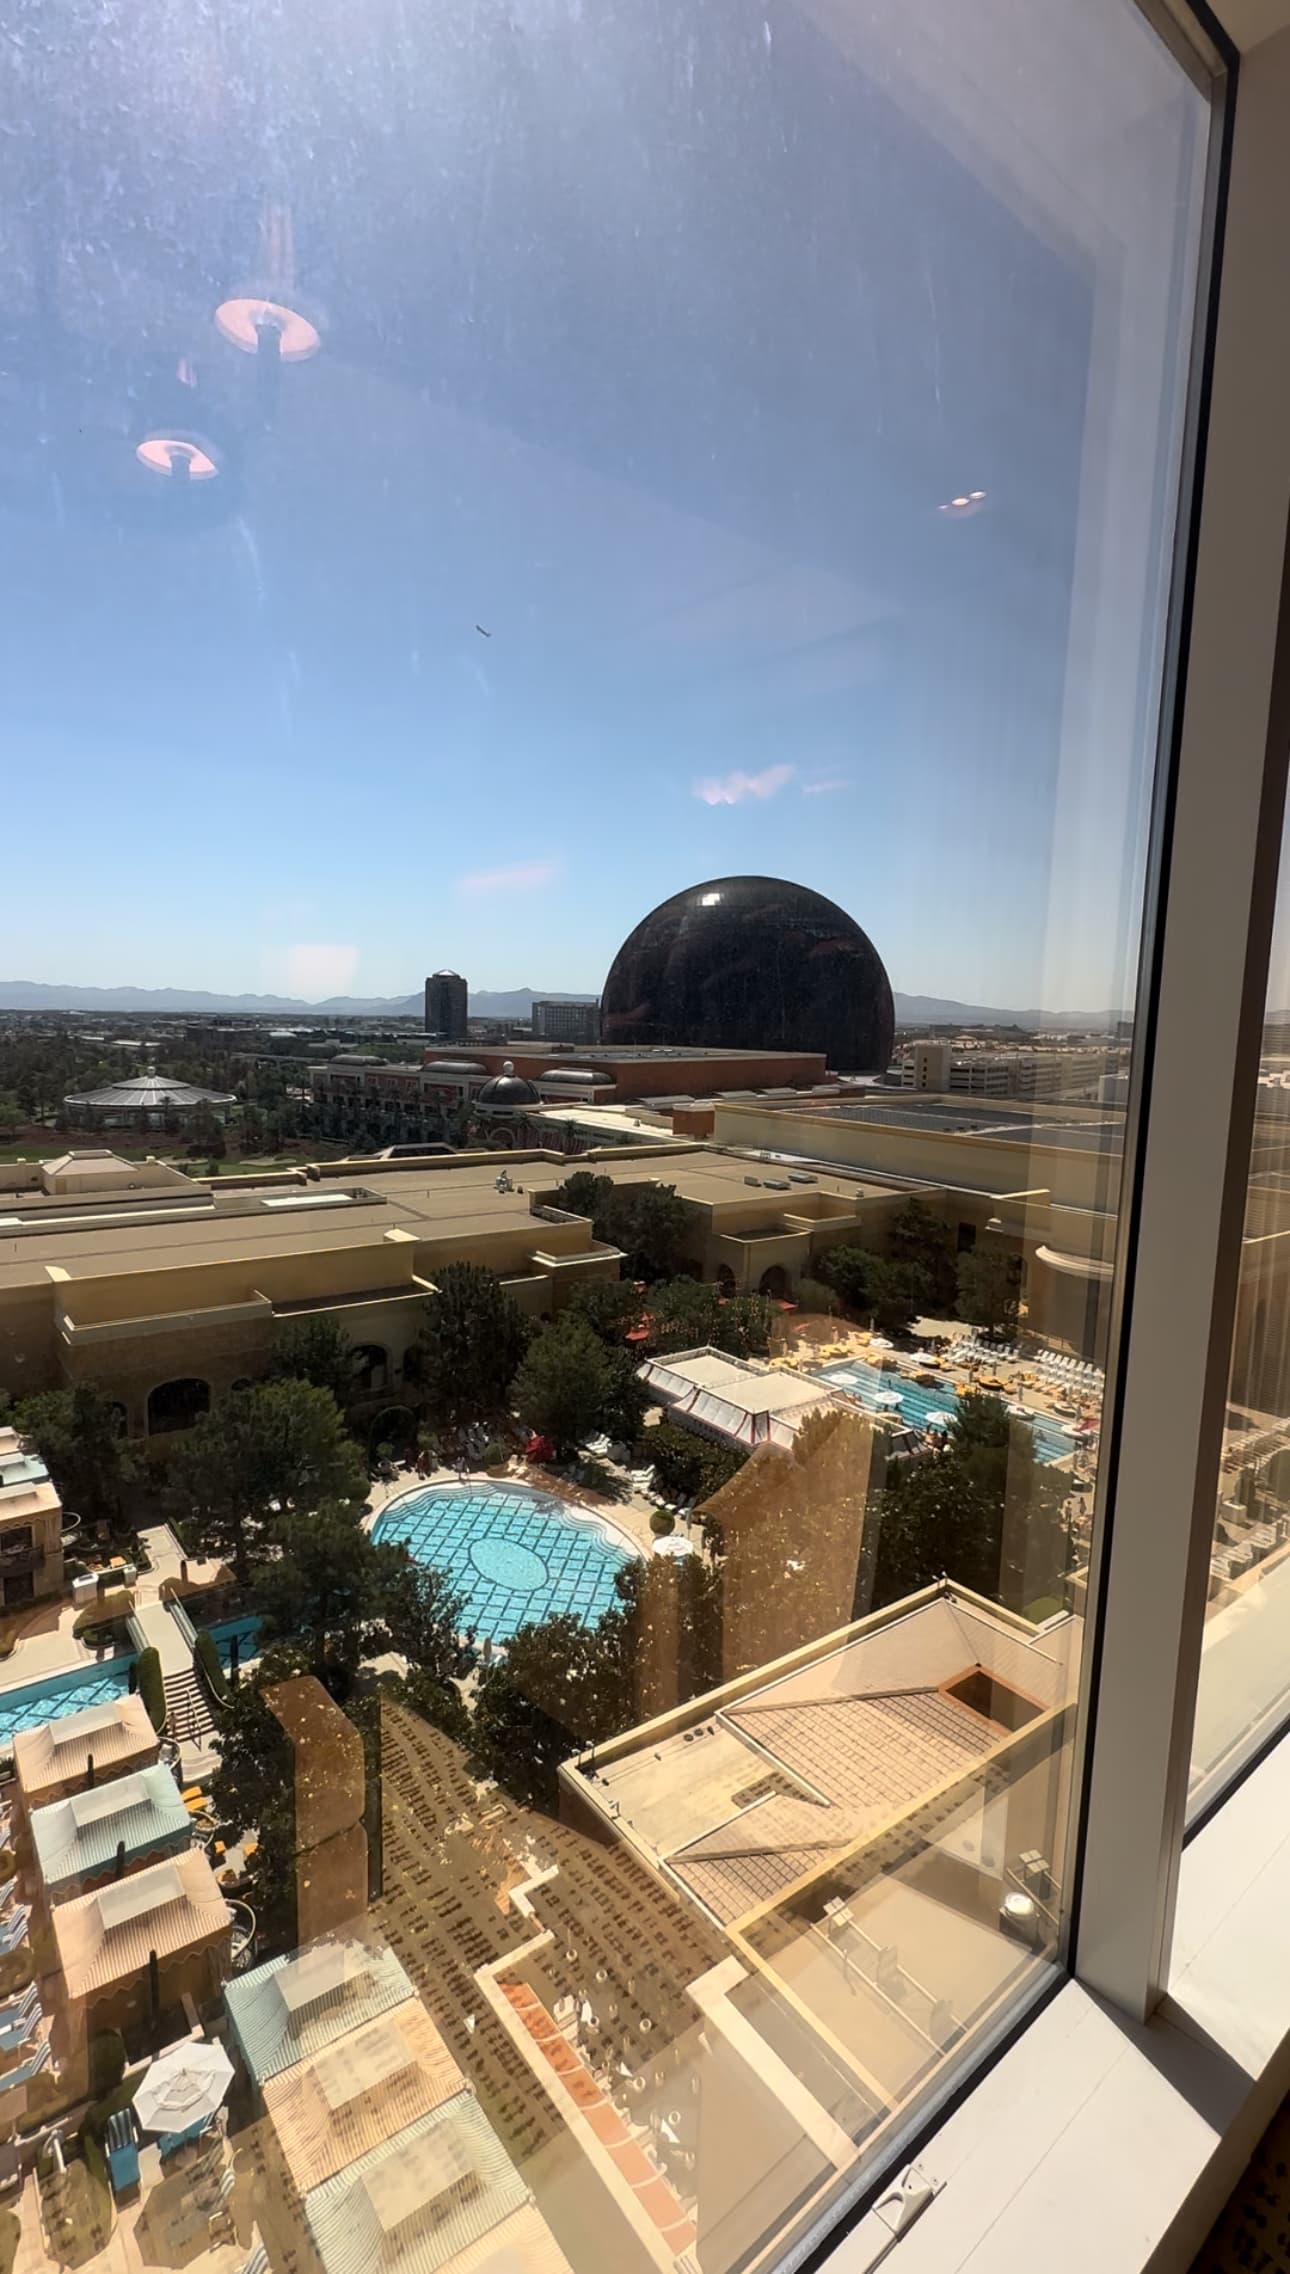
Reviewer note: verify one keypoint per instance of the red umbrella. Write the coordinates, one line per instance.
(539, 1449)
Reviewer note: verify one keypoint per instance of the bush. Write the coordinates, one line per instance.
(151, 1687)
(662, 1522)
(107, 2061)
(210, 1665)
(686, 1466)
(814, 1295)
(95, 2121)
(496, 1454)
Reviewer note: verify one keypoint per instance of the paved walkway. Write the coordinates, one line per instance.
(162, 1634)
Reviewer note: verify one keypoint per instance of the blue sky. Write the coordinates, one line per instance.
(654, 344)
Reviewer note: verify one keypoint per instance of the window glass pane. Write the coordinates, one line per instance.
(1244, 1686)
(543, 1513)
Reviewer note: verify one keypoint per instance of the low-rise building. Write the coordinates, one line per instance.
(91, 1838)
(149, 1101)
(150, 1940)
(566, 1022)
(31, 1526)
(91, 1748)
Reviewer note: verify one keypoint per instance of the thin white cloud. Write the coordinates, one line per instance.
(315, 971)
(521, 876)
(737, 788)
(827, 788)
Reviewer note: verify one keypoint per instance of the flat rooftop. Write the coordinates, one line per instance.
(430, 1199)
(743, 1800)
(1092, 1131)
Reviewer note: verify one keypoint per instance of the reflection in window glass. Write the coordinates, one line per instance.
(1243, 1683)
(584, 614)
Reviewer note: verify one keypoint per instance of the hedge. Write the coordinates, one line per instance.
(210, 1665)
(151, 1687)
(107, 2061)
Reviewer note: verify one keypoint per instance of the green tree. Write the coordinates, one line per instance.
(989, 1291)
(612, 1308)
(564, 1686)
(472, 1339)
(424, 1618)
(918, 1236)
(515, 1741)
(687, 1466)
(273, 1450)
(317, 1350)
(80, 1436)
(897, 1293)
(985, 1512)
(846, 1269)
(325, 1590)
(585, 1194)
(252, 1791)
(684, 1314)
(650, 1223)
(571, 1386)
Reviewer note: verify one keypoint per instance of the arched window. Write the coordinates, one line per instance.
(371, 1367)
(177, 1404)
(775, 1283)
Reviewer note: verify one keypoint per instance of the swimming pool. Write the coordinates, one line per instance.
(514, 1553)
(61, 1694)
(919, 1399)
(247, 1630)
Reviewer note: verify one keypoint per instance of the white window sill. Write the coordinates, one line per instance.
(1094, 2143)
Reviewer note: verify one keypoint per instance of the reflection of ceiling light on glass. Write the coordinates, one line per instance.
(962, 508)
(709, 899)
(268, 326)
(180, 457)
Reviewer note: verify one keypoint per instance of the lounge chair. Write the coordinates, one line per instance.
(121, 2140)
(13, 1929)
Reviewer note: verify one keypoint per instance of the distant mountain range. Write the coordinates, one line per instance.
(512, 1003)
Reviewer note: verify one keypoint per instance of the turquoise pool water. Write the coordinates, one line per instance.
(918, 1400)
(514, 1553)
(247, 1630)
(61, 1694)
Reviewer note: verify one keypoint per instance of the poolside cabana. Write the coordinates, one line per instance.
(348, 2100)
(416, 2203)
(89, 1838)
(104, 1741)
(161, 1935)
(295, 2007)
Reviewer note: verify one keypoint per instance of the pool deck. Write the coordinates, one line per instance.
(47, 1644)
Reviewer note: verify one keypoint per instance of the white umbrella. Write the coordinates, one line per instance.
(184, 2087)
(672, 1543)
(940, 1421)
(888, 1397)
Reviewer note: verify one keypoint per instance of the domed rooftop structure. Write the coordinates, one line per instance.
(752, 963)
(506, 1093)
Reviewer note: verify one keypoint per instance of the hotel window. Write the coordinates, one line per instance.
(1244, 1694)
(580, 492)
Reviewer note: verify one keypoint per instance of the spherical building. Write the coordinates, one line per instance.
(505, 1101)
(752, 963)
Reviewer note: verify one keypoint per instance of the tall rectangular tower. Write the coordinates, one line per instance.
(446, 1006)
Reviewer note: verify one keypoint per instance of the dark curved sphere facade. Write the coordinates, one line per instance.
(752, 963)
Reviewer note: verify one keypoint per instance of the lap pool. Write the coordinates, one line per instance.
(919, 1399)
(514, 1553)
